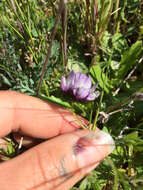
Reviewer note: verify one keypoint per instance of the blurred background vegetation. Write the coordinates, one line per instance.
(41, 40)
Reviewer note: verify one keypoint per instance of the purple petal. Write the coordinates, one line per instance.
(92, 96)
(94, 86)
(70, 80)
(74, 90)
(92, 90)
(82, 93)
(80, 86)
(88, 83)
(82, 81)
(63, 84)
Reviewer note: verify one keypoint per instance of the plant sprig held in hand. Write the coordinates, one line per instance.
(79, 87)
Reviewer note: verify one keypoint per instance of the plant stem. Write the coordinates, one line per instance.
(98, 110)
(64, 26)
(15, 11)
(50, 46)
(128, 77)
(75, 117)
(90, 119)
(116, 20)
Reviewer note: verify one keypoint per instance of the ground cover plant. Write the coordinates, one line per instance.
(44, 40)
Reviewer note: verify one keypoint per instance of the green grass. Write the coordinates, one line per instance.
(104, 40)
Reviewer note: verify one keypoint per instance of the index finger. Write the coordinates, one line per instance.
(33, 116)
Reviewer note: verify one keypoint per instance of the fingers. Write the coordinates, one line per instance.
(56, 164)
(32, 116)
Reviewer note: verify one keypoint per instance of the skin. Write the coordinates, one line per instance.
(53, 164)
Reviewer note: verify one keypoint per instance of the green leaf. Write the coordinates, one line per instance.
(119, 43)
(129, 59)
(105, 129)
(5, 80)
(131, 136)
(56, 100)
(34, 32)
(77, 66)
(6, 21)
(10, 148)
(97, 73)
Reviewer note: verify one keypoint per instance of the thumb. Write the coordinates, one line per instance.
(57, 163)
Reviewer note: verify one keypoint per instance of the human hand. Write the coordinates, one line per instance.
(57, 163)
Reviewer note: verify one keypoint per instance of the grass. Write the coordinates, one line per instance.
(103, 39)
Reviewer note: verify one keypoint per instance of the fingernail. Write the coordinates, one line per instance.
(92, 148)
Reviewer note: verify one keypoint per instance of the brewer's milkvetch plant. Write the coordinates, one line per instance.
(79, 87)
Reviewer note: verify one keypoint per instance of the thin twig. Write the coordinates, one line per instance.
(119, 104)
(50, 45)
(128, 77)
(21, 142)
(115, 11)
(95, 11)
(129, 101)
(105, 116)
(98, 110)
(64, 25)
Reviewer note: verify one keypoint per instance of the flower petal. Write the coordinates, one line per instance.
(64, 84)
(94, 86)
(79, 86)
(81, 93)
(70, 80)
(92, 96)
(88, 83)
(82, 81)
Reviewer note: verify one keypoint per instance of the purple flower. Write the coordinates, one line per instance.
(79, 86)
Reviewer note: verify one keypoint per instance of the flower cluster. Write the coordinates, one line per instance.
(79, 86)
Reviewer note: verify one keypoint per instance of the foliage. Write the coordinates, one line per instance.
(104, 40)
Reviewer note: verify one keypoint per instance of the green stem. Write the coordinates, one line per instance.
(98, 110)
(91, 105)
(116, 20)
(75, 117)
(90, 119)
